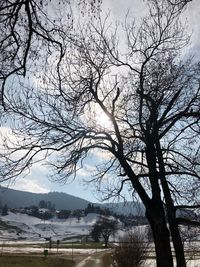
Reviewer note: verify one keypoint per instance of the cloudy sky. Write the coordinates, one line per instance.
(37, 180)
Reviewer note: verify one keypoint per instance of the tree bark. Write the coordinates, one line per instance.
(154, 209)
(178, 244)
(161, 240)
(175, 234)
(171, 213)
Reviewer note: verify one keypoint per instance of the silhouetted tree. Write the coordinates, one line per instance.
(33, 29)
(104, 227)
(148, 91)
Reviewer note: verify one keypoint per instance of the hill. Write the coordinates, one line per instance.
(20, 199)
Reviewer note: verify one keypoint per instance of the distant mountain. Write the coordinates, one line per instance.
(20, 199)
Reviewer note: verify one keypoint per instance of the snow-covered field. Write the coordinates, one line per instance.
(30, 228)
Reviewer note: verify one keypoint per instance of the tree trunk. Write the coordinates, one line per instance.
(161, 240)
(178, 244)
(171, 213)
(173, 226)
(106, 241)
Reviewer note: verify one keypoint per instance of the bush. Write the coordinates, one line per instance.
(131, 251)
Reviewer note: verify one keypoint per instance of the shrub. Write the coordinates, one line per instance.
(131, 251)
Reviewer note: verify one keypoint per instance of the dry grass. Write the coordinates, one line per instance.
(31, 261)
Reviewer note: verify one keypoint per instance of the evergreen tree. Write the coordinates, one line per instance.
(42, 204)
(4, 210)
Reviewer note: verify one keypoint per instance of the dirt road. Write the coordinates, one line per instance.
(91, 261)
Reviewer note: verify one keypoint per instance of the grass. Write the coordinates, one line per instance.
(31, 261)
(45, 245)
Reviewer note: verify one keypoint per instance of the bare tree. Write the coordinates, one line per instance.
(132, 250)
(149, 93)
(104, 227)
(31, 29)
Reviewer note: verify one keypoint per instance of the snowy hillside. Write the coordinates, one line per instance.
(17, 226)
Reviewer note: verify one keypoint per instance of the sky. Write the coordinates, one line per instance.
(37, 180)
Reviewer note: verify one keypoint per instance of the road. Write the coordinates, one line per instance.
(91, 261)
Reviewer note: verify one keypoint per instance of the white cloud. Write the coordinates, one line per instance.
(24, 184)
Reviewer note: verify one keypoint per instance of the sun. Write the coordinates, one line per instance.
(95, 117)
(101, 119)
